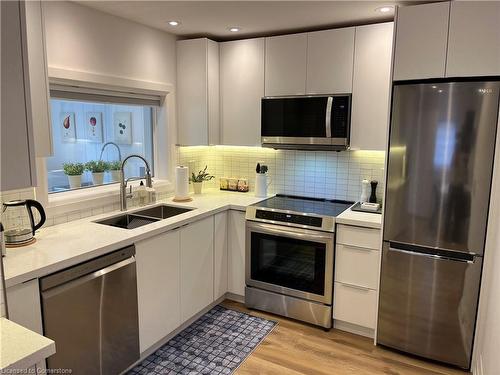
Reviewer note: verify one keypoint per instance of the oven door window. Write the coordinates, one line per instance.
(288, 262)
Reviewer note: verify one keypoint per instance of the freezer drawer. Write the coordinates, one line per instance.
(428, 305)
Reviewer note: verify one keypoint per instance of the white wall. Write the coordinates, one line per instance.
(82, 39)
(85, 39)
(486, 358)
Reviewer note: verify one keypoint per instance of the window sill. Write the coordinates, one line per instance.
(76, 200)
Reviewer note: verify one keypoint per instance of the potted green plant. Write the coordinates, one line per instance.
(97, 168)
(114, 168)
(198, 179)
(74, 172)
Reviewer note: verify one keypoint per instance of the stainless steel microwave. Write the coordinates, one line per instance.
(314, 122)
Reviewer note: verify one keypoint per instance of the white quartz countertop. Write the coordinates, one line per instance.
(362, 219)
(64, 245)
(21, 348)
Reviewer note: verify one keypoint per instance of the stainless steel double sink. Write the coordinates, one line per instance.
(145, 216)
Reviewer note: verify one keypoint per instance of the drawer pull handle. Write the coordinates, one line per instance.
(355, 286)
(360, 248)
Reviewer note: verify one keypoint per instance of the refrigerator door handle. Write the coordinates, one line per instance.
(433, 256)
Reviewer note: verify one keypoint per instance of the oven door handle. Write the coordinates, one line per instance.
(297, 233)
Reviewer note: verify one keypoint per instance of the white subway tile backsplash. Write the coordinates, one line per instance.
(333, 175)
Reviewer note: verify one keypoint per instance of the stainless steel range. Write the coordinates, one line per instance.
(290, 245)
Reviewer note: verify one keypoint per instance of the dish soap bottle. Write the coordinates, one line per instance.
(142, 194)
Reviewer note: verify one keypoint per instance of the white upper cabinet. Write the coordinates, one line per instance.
(474, 41)
(17, 149)
(371, 86)
(38, 77)
(330, 57)
(242, 87)
(285, 70)
(421, 39)
(198, 92)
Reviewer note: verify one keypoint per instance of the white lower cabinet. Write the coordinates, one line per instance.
(220, 254)
(24, 305)
(357, 272)
(355, 305)
(358, 236)
(357, 266)
(197, 267)
(236, 252)
(25, 308)
(158, 286)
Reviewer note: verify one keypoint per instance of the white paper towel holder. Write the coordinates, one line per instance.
(182, 185)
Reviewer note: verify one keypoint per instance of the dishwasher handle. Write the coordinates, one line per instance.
(47, 293)
(86, 268)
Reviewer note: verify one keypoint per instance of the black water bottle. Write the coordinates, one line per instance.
(373, 195)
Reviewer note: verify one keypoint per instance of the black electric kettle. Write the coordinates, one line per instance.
(19, 221)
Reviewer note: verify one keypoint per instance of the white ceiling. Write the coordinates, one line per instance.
(213, 18)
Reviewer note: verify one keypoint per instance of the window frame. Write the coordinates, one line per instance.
(154, 124)
(164, 136)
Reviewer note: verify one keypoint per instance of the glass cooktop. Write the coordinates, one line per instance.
(322, 207)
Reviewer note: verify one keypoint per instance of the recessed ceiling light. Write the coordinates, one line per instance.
(174, 23)
(434, 87)
(384, 9)
(440, 90)
(234, 29)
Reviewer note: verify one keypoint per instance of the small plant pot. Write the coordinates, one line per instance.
(115, 175)
(98, 178)
(75, 181)
(197, 186)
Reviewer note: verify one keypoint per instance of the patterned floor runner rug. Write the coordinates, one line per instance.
(217, 343)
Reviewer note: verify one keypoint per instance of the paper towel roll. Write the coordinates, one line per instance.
(262, 182)
(181, 182)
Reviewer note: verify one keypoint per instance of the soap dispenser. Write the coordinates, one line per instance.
(142, 194)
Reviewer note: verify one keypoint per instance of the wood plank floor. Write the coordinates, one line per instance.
(295, 348)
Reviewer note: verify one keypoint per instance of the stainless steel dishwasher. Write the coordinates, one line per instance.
(90, 311)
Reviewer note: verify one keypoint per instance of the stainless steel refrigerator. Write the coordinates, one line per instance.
(440, 162)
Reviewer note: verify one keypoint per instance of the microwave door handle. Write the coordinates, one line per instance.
(328, 119)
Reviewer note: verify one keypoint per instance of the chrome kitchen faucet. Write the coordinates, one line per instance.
(123, 183)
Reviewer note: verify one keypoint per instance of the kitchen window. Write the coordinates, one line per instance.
(93, 131)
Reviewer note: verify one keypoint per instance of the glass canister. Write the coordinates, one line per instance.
(243, 184)
(233, 184)
(224, 183)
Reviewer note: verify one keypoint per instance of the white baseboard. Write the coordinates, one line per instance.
(353, 328)
(235, 297)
